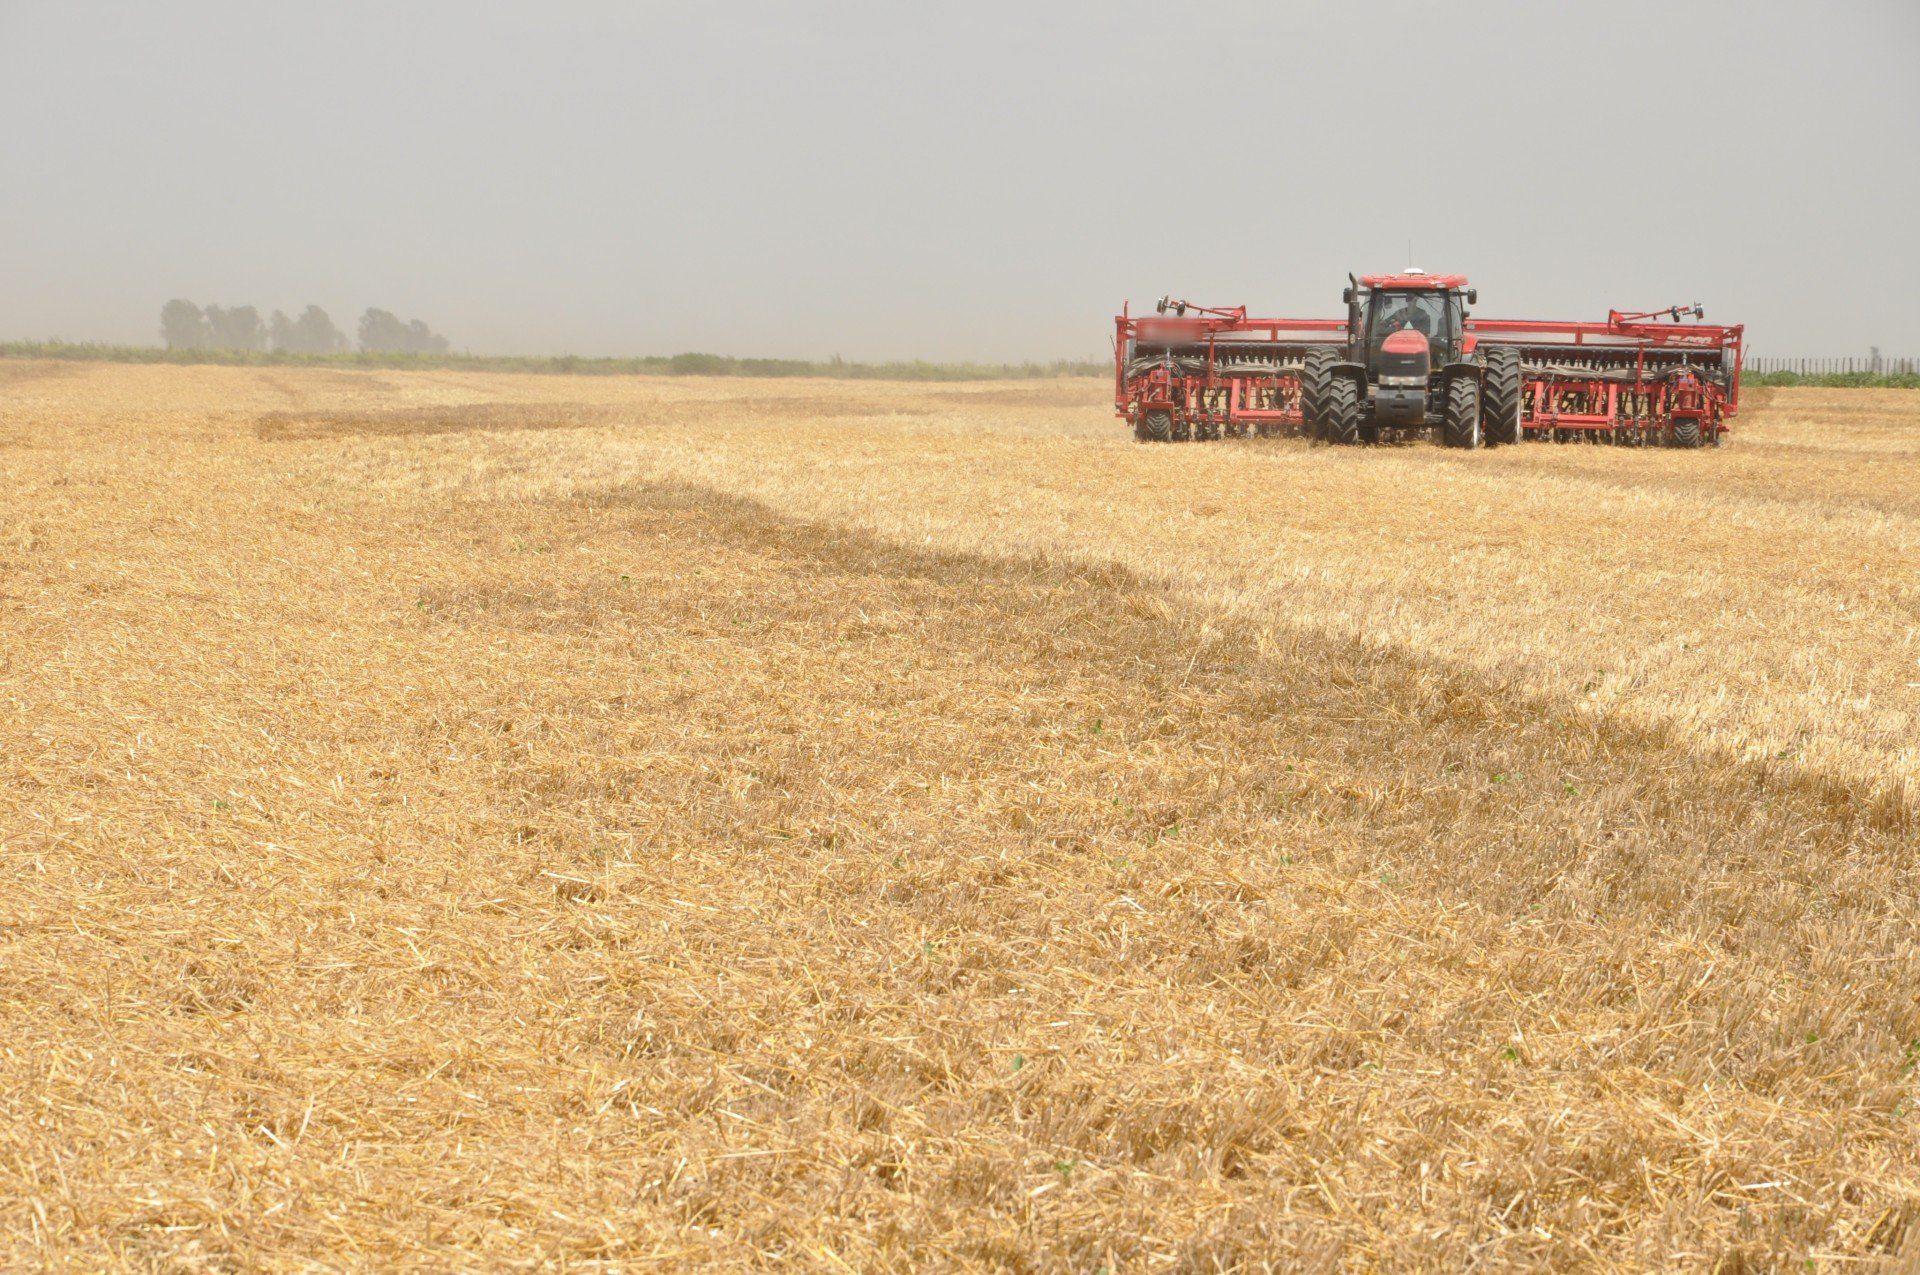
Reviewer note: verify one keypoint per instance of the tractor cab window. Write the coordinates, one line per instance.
(1432, 314)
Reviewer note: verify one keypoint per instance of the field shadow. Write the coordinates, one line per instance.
(18, 372)
(1424, 688)
(463, 418)
(453, 419)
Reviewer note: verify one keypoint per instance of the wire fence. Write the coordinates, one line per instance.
(1867, 366)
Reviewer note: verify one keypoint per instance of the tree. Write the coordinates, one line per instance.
(235, 328)
(422, 339)
(312, 333)
(182, 325)
(316, 334)
(381, 332)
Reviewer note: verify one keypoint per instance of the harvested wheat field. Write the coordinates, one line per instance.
(459, 821)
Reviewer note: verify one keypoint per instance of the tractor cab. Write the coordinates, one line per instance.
(1431, 306)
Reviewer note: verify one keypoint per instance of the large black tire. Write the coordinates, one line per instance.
(1460, 426)
(1313, 386)
(1154, 427)
(1340, 411)
(1686, 431)
(1500, 399)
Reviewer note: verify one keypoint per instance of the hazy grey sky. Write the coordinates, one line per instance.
(979, 180)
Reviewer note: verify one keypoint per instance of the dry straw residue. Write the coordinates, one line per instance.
(707, 831)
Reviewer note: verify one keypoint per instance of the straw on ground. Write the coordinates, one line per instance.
(458, 820)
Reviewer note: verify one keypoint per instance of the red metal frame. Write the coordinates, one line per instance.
(1620, 378)
(1214, 401)
(1574, 396)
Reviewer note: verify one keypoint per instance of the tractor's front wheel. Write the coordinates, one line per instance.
(1313, 387)
(1460, 426)
(1500, 408)
(1340, 411)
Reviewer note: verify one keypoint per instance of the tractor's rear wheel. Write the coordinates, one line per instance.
(1154, 427)
(1500, 410)
(1686, 431)
(1313, 387)
(1461, 424)
(1340, 411)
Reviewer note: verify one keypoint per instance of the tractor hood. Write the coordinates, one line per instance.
(1405, 358)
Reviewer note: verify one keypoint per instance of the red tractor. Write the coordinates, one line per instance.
(1409, 358)
(1410, 364)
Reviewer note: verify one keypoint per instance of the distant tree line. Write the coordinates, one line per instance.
(690, 364)
(186, 326)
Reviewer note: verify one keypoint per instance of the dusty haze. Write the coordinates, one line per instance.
(982, 182)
